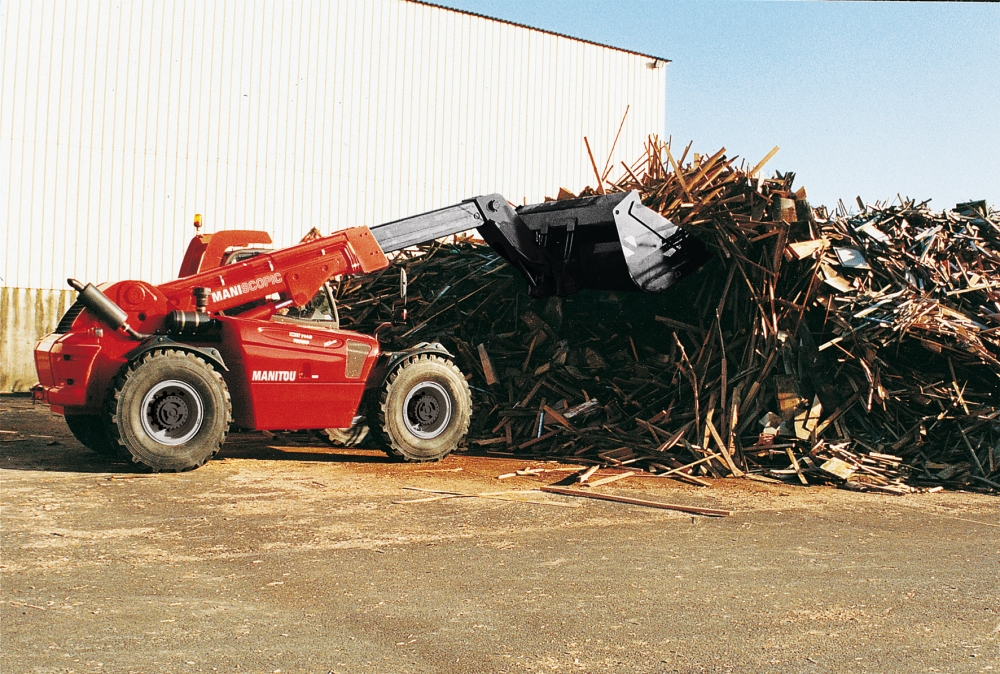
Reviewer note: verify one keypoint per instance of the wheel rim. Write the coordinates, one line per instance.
(172, 412)
(427, 410)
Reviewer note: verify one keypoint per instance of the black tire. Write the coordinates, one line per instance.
(170, 410)
(354, 436)
(90, 430)
(423, 409)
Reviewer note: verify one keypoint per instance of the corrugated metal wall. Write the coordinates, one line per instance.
(121, 120)
(25, 315)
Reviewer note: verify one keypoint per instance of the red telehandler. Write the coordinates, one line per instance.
(158, 373)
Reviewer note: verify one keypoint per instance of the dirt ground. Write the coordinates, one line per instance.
(285, 555)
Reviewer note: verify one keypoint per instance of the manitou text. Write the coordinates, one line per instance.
(273, 375)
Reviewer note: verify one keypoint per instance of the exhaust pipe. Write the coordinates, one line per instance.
(103, 308)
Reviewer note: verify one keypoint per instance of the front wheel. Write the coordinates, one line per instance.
(424, 409)
(170, 410)
(89, 429)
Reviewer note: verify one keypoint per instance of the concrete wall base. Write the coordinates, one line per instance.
(26, 315)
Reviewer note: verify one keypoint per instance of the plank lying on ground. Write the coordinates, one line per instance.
(763, 478)
(527, 472)
(990, 483)
(672, 471)
(493, 496)
(681, 477)
(610, 479)
(708, 512)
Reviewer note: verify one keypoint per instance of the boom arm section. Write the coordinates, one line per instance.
(296, 273)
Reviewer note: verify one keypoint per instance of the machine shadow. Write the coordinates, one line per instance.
(256, 446)
(69, 457)
(66, 455)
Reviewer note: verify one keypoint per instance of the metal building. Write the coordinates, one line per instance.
(121, 120)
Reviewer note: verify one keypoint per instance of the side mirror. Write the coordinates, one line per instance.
(399, 312)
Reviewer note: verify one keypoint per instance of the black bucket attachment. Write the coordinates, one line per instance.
(608, 242)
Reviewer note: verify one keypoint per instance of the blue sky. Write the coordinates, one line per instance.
(865, 99)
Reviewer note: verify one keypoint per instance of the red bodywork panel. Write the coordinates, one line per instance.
(292, 375)
(65, 366)
(282, 373)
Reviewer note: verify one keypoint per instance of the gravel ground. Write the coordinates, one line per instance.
(283, 555)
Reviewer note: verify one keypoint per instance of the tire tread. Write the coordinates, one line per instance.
(114, 400)
(463, 408)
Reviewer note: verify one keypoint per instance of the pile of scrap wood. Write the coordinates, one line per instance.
(856, 349)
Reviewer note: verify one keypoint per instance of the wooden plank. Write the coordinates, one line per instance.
(972, 452)
(682, 477)
(489, 495)
(707, 512)
(588, 473)
(722, 448)
(484, 358)
(593, 164)
(803, 249)
(678, 325)
(836, 413)
(535, 441)
(672, 471)
(678, 174)
(760, 164)
(990, 483)
(650, 428)
(838, 467)
(557, 416)
(607, 164)
(795, 465)
(631, 174)
(532, 392)
(762, 478)
(488, 441)
(528, 472)
(610, 479)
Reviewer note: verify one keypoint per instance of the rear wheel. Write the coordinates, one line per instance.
(424, 409)
(89, 429)
(170, 410)
(354, 436)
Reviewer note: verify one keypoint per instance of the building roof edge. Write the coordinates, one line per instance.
(540, 30)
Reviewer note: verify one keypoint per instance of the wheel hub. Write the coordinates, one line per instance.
(172, 412)
(427, 410)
